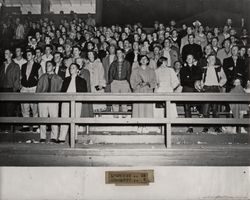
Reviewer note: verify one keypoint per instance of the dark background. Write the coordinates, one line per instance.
(213, 12)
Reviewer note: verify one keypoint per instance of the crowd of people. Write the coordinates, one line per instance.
(78, 56)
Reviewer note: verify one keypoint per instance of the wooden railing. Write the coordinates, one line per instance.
(131, 97)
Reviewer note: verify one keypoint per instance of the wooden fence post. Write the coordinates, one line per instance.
(72, 124)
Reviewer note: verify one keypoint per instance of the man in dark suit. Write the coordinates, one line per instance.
(234, 67)
(71, 84)
(29, 80)
(133, 55)
(191, 48)
(9, 82)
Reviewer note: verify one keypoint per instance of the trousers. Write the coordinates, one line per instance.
(48, 110)
(120, 87)
(65, 112)
(27, 107)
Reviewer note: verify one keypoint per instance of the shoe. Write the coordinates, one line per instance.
(42, 141)
(60, 141)
(53, 141)
(36, 130)
(205, 130)
(190, 130)
(25, 129)
(218, 130)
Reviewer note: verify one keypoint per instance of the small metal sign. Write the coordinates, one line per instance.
(129, 177)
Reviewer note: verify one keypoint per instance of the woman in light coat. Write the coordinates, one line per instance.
(167, 81)
(97, 80)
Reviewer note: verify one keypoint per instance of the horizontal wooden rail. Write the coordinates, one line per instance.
(129, 97)
(125, 121)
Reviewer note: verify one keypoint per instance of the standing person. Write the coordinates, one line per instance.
(132, 56)
(9, 82)
(97, 80)
(119, 78)
(225, 52)
(213, 79)
(177, 69)
(60, 68)
(46, 57)
(19, 57)
(167, 81)
(71, 84)
(49, 82)
(29, 80)
(143, 80)
(170, 54)
(107, 61)
(189, 74)
(90, 21)
(87, 108)
(191, 48)
(155, 55)
(19, 31)
(234, 66)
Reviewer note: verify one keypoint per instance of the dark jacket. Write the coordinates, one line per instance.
(189, 75)
(233, 71)
(10, 79)
(62, 71)
(33, 77)
(81, 85)
(203, 62)
(131, 56)
(193, 49)
(125, 71)
(43, 83)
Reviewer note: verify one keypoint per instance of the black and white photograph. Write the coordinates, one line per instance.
(124, 99)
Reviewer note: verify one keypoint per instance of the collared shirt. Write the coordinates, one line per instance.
(28, 69)
(222, 54)
(111, 58)
(72, 85)
(20, 62)
(6, 66)
(166, 54)
(211, 77)
(57, 69)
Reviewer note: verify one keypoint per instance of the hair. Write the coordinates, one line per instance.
(191, 35)
(50, 61)
(119, 49)
(112, 45)
(30, 51)
(161, 60)
(141, 56)
(177, 61)
(39, 48)
(48, 45)
(225, 41)
(216, 38)
(19, 47)
(78, 66)
(94, 53)
(77, 47)
(59, 53)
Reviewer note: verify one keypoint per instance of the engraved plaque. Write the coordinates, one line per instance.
(129, 177)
